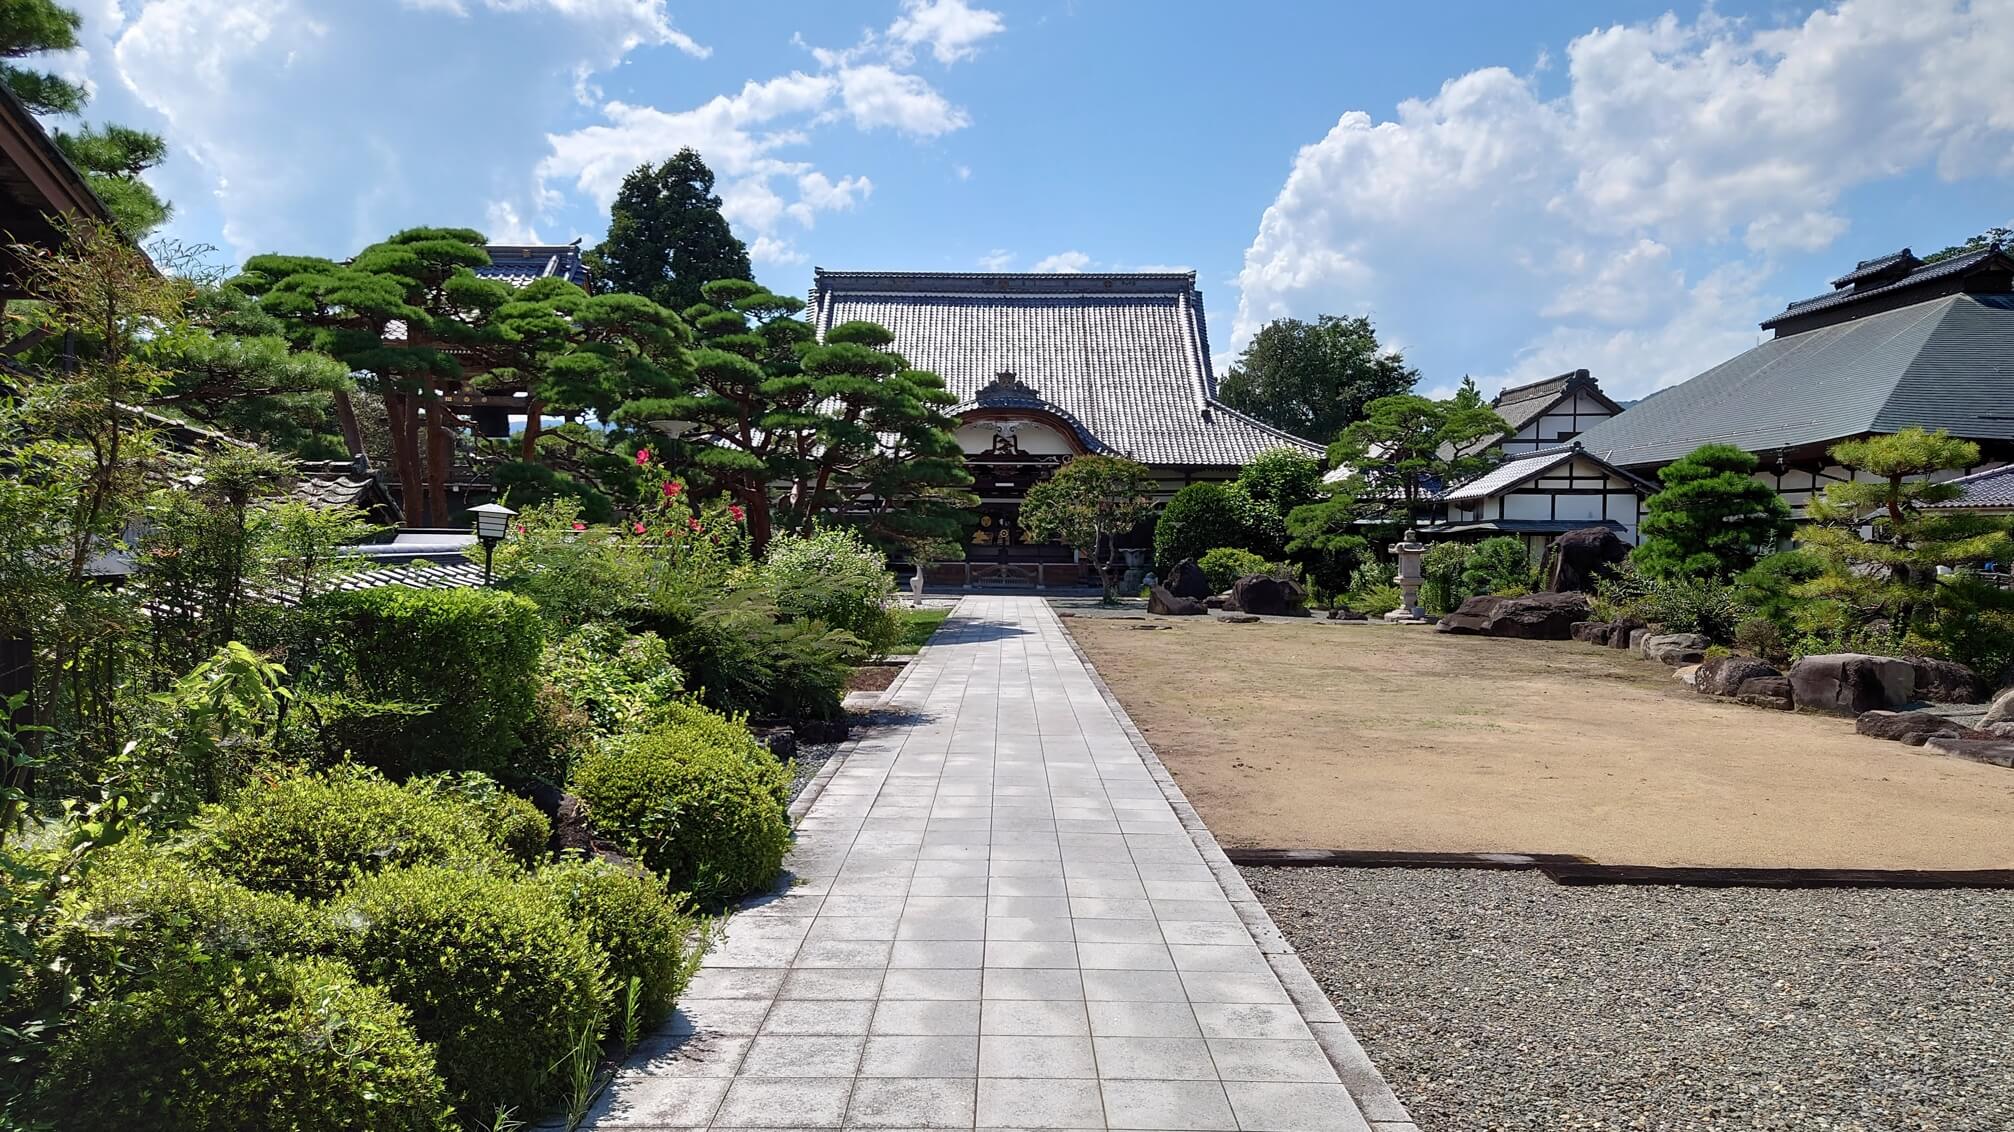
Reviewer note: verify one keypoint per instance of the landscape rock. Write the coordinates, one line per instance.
(1582, 557)
(1636, 636)
(1724, 676)
(1766, 691)
(1239, 618)
(1340, 614)
(1687, 675)
(1533, 617)
(1593, 632)
(1675, 648)
(1947, 682)
(1910, 727)
(2004, 730)
(1849, 683)
(1998, 752)
(1167, 603)
(2002, 710)
(1187, 580)
(1217, 601)
(1266, 595)
(822, 730)
(781, 741)
(1623, 636)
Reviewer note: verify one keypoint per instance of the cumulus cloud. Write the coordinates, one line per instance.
(950, 28)
(999, 259)
(1641, 209)
(1071, 261)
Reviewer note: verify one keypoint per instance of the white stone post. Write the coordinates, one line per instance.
(1409, 552)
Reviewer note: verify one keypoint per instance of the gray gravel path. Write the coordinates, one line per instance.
(1495, 1000)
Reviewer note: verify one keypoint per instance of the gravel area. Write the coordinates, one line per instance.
(1499, 1000)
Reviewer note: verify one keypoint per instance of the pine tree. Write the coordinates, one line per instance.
(1408, 446)
(112, 158)
(666, 236)
(1713, 519)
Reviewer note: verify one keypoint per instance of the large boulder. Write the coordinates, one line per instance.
(1187, 579)
(1266, 595)
(2002, 710)
(1908, 727)
(1581, 558)
(1593, 632)
(1675, 648)
(1998, 752)
(1849, 683)
(1533, 617)
(1766, 692)
(1724, 676)
(1167, 603)
(1947, 682)
(1623, 636)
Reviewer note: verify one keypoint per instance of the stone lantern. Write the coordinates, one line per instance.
(1409, 551)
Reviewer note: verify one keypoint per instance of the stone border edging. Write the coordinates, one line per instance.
(1573, 869)
(1367, 1087)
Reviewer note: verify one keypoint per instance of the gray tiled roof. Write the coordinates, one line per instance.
(1846, 292)
(1994, 488)
(1947, 363)
(1879, 265)
(519, 264)
(1124, 357)
(1510, 473)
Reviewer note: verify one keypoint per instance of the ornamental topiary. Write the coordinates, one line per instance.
(641, 931)
(310, 835)
(697, 800)
(1226, 564)
(225, 1046)
(463, 663)
(1204, 516)
(495, 974)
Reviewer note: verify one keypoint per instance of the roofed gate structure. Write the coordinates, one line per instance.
(1050, 366)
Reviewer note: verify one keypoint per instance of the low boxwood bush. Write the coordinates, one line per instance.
(697, 799)
(642, 932)
(309, 835)
(512, 822)
(464, 663)
(1226, 564)
(496, 976)
(294, 1044)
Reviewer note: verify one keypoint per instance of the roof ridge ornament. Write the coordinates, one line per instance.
(1006, 384)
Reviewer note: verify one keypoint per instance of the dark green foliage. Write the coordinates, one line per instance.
(512, 822)
(1712, 607)
(638, 927)
(1226, 564)
(1312, 379)
(1089, 504)
(469, 658)
(240, 375)
(1769, 586)
(1283, 479)
(1498, 565)
(697, 799)
(1327, 543)
(523, 484)
(33, 27)
(112, 158)
(496, 977)
(1441, 588)
(310, 836)
(201, 551)
(293, 1044)
(833, 577)
(1407, 446)
(1204, 516)
(738, 657)
(666, 236)
(558, 733)
(1713, 519)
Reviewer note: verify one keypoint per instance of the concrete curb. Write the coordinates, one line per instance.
(1375, 1100)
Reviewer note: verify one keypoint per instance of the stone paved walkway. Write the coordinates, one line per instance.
(1000, 919)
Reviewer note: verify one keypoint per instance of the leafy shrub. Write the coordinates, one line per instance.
(639, 929)
(697, 799)
(556, 734)
(1763, 637)
(495, 975)
(573, 576)
(1713, 519)
(1498, 565)
(1441, 567)
(1374, 590)
(514, 823)
(617, 677)
(1282, 478)
(1204, 516)
(310, 835)
(1708, 606)
(1226, 564)
(1769, 586)
(834, 577)
(739, 658)
(468, 657)
(229, 1046)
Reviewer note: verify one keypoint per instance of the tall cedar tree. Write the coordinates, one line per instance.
(1890, 573)
(112, 158)
(801, 432)
(666, 237)
(1312, 379)
(1713, 519)
(1087, 504)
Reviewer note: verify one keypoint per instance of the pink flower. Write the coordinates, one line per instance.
(735, 510)
(520, 528)
(642, 457)
(692, 525)
(580, 526)
(638, 528)
(671, 489)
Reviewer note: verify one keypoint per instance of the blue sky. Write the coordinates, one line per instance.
(1508, 190)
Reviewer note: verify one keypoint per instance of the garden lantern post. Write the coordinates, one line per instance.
(492, 522)
(1409, 552)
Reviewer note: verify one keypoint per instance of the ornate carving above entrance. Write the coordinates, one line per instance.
(1006, 386)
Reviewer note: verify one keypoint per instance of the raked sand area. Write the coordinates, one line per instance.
(1003, 916)
(1299, 735)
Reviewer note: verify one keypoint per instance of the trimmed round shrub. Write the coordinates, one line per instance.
(1498, 565)
(834, 577)
(1204, 516)
(512, 822)
(310, 835)
(697, 800)
(640, 930)
(496, 976)
(1226, 564)
(280, 1043)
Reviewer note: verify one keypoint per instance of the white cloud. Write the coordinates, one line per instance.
(996, 260)
(962, 171)
(505, 226)
(876, 95)
(1071, 261)
(950, 28)
(1641, 207)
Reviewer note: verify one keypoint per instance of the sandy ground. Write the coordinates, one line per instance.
(1354, 736)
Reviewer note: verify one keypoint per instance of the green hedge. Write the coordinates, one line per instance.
(496, 976)
(310, 835)
(1226, 564)
(1204, 516)
(697, 799)
(293, 1044)
(639, 929)
(467, 660)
